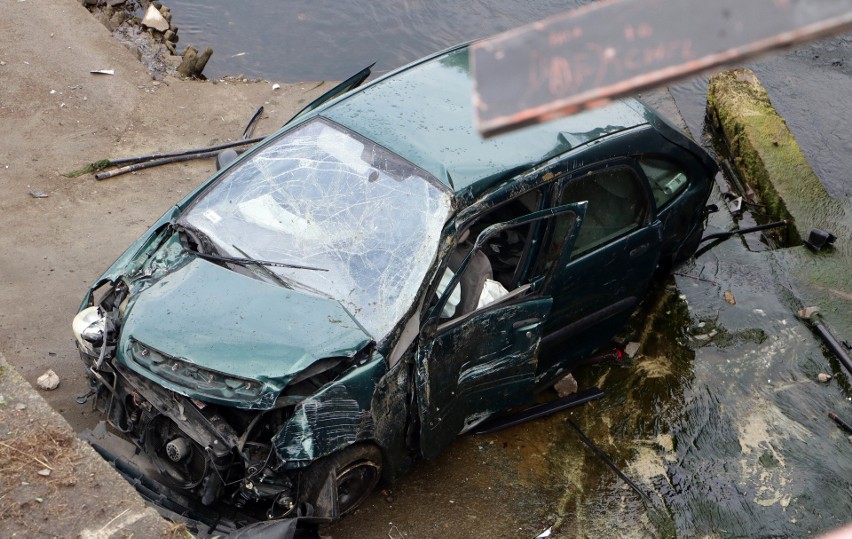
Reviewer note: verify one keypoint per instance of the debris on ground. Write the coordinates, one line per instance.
(102, 72)
(193, 63)
(817, 239)
(48, 381)
(631, 349)
(38, 194)
(152, 37)
(729, 297)
(566, 386)
(840, 423)
(823, 377)
(808, 312)
(154, 19)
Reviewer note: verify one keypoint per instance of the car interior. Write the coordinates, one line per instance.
(496, 268)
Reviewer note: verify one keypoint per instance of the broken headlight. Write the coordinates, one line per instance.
(191, 376)
(88, 327)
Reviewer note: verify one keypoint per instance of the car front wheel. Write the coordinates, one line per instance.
(356, 469)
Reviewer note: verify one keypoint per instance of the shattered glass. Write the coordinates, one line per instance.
(321, 196)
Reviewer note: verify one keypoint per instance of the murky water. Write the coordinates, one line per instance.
(304, 40)
(719, 419)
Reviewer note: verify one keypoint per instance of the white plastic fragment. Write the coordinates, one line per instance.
(823, 377)
(48, 381)
(276, 86)
(154, 19)
(736, 205)
(631, 349)
(102, 72)
(45, 472)
(545, 534)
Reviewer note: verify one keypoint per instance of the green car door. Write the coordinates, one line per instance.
(598, 284)
(484, 361)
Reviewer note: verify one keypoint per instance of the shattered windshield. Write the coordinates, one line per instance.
(320, 196)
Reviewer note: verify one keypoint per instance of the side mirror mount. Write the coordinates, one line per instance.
(225, 158)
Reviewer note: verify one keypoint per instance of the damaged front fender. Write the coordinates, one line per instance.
(336, 416)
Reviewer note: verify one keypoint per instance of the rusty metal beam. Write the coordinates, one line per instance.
(612, 48)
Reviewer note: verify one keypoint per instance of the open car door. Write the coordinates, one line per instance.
(349, 84)
(485, 361)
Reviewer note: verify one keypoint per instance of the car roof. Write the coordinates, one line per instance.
(424, 113)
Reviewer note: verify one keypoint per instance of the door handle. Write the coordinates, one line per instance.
(526, 323)
(640, 250)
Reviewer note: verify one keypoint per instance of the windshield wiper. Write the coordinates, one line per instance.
(287, 283)
(255, 262)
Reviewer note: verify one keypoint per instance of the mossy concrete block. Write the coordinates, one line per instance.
(767, 156)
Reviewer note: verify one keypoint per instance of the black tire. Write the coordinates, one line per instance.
(357, 469)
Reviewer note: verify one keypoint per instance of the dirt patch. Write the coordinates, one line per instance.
(34, 466)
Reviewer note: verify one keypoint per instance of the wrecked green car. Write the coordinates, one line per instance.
(375, 279)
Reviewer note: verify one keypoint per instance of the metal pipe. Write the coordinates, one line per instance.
(601, 455)
(840, 423)
(832, 343)
(758, 228)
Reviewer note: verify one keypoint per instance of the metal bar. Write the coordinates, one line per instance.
(840, 423)
(606, 460)
(835, 346)
(612, 48)
(538, 411)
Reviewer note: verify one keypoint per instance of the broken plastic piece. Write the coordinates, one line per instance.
(736, 205)
(103, 72)
(818, 239)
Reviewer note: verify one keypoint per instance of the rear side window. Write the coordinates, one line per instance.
(617, 206)
(667, 179)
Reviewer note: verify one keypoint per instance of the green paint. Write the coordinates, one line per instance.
(247, 327)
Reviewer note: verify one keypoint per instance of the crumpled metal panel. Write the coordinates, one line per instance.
(336, 416)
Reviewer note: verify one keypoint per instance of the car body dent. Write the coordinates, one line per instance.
(247, 327)
(134, 255)
(336, 416)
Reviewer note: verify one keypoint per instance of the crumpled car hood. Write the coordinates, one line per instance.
(221, 320)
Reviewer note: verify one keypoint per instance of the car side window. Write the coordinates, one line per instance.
(667, 180)
(617, 206)
(496, 269)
